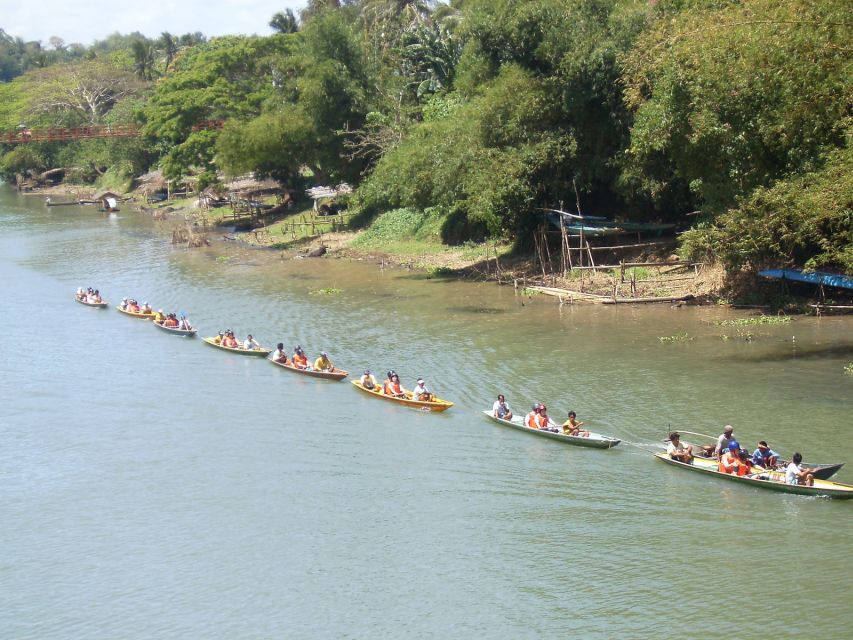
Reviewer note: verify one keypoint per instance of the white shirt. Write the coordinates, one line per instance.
(497, 406)
(365, 378)
(278, 354)
(419, 390)
(248, 345)
(791, 474)
(675, 448)
(723, 443)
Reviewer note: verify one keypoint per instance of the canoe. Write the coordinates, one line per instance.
(262, 353)
(142, 316)
(436, 405)
(175, 331)
(816, 277)
(820, 471)
(334, 374)
(773, 480)
(100, 305)
(595, 440)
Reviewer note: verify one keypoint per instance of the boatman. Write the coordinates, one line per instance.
(420, 392)
(764, 456)
(368, 380)
(795, 474)
(501, 409)
(677, 450)
(572, 426)
(723, 441)
(250, 344)
(279, 355)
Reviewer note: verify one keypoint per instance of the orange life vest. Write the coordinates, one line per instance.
(532, 420)
(300, 360)
(731, 463)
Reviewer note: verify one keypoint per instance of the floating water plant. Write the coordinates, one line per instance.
(677, 337)
(741, 322)
(329, 291)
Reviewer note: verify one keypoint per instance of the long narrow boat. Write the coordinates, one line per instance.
(99, 305)
(435, 405)
(334, 374)
(189, 333)
(820, 471)
(136, 314)
(773, 480)
(261, 353)
(595, 440)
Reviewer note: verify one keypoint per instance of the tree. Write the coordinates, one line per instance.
(144, 57)
(80, 92)
(169, 47)
(284, 22)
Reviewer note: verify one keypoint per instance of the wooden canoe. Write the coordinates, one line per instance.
(132, 314)
(261, 353)
(594, 440)
(773, 480)
(334, 374)
(99, 305)
(436, 405)
(820, 471)
(189, 333)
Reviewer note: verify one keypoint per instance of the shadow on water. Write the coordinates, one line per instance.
(794, 352)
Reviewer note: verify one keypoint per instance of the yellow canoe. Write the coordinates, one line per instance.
(241, 351)
(435, 405)
(132, 314)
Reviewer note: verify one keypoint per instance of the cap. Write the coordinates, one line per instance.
(536, 406)
(159, 311)
(367, 372)
(420, 380)
(728, 428)
(733, 445)
(323, 353)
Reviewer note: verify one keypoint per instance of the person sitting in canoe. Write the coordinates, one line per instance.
(723, 441)
(545, 421)
(171, 321)
(795, 474)
(94, 297)
(279, 355)
(677, 450)
(159, 316)
(250, 344)
(532, 418)
(732, 461)
(132, 306)
(146, 308)
(229, 340)
(124, 304)
(300, 360)
(392, 386)
(368, 380)
(572, 426)
(421, 393)
(764, 456)
(500, 409)
(81, 293)
(185, 324)
(323, 363)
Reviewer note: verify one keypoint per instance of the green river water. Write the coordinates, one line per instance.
(153, 487)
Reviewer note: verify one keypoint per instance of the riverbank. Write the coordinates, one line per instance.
(646, 275)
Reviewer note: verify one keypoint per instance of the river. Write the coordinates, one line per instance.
(153, 487)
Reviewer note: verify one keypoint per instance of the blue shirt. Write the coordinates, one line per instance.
(761, 458)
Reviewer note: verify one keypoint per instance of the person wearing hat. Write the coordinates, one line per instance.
(368, 381)
(723, 441)
(531, 420)
(677, 450)
(420, 392)
(764, 456)
(279, 355)
(501, 408)
(392, 386)
(123, 305)
(159, 316)
(732, 462)
(323, 363)
(299, 360)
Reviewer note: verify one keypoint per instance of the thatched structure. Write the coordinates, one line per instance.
(153, 182)
(107, 199)
(249, 186)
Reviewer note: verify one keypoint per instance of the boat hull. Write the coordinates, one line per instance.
(775, 482)
(437, 405)
(594, 441)
(334, 374)
(97, 305)
(140, 315)
(258, 353)
(820, 471)
(188, 333)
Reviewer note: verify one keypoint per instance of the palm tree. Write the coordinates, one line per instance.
(144, 55)
(284, 22)
(169, 47)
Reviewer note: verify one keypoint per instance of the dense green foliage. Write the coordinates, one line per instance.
(477, 114)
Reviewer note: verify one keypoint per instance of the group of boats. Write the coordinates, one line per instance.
(773, 479)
